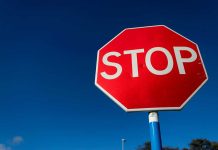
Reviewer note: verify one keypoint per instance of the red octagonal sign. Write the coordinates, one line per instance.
(150, 68)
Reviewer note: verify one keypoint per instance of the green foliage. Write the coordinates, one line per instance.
(146, 146)
(196, 144)
(200, 144)
(214, 145)
(170, 148)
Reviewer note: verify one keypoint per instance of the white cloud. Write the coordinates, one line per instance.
(13, 142)
(4, 147)
(17, 140)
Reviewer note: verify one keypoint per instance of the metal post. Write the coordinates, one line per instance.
(123, 140)
(154, 131)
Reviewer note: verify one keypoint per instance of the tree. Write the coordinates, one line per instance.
(146, 146)
(200, 144)
(214, 145)
(196, 144)
(169, 148)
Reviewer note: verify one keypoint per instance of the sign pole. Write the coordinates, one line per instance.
(154, 131)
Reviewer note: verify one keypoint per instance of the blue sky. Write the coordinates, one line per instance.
(48, 53)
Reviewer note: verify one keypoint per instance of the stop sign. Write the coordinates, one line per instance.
(150, 68)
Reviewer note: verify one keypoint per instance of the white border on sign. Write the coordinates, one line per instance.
(156, 108)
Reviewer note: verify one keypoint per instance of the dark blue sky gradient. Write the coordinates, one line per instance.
(48, 53)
